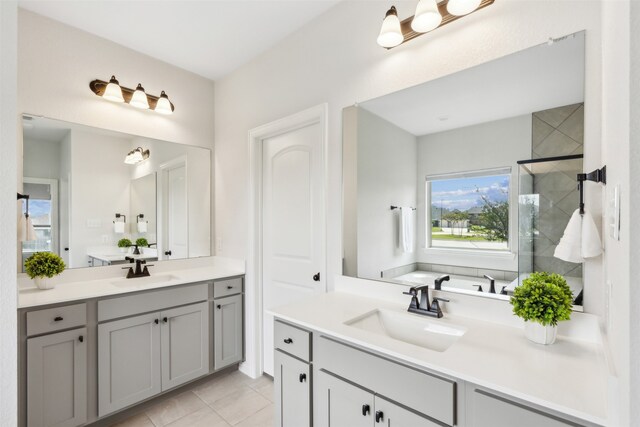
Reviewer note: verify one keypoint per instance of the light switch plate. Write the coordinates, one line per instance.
(613, 221)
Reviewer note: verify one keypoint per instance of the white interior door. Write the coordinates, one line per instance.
(293, 259)
(177, 240)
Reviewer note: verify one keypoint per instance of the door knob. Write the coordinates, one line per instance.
(316, 277)
(167, 253)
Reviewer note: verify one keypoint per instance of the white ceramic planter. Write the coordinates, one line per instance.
(44, 283)
(537, 333)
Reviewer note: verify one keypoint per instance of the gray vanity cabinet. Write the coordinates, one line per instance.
(292, 384)
(128, 361)
(184, 341)
(343, 404)
(228, 331)
(57, 379)
(487, 409)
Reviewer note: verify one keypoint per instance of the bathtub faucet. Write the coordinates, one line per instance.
(439, 280)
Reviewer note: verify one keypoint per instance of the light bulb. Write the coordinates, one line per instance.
(163, 106)
(139, 98)
(113, 91)
(462, 7)
(390, 33)
(427, 16)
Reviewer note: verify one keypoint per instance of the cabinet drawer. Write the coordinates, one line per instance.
(425, 393)
(292, 340)
(227, 287)
(56, 319)
(145, 302)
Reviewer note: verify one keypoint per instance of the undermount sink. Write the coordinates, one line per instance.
(144, 281)
(409, 328)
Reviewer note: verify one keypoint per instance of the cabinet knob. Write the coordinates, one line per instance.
(379, 416)
(58, 319)
(156, 321)
(366, 409)
(316, 277)
(303, 378)
(218, 306)
(167, 253)
(288, 341)
(81, 338)
(164, 319)
(229, 287)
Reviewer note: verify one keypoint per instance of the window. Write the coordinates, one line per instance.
(469, 210)
(42, 205)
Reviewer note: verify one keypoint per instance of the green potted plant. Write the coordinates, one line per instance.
(142, 242)
(42, 266)
(124, 244)
(542, 301)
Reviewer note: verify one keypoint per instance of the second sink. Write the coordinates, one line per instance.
(409, 328)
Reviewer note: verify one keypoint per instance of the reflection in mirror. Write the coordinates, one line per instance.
(91, 188)
(435, 175)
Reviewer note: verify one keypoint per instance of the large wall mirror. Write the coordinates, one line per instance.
(91, 191)
(472, 175)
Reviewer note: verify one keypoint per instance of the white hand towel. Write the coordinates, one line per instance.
(142, 227)
(405, 231)
(591, 243)
(580, 240)
(118, 227)
(26, 231)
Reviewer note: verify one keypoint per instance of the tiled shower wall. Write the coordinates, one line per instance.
(556, 132)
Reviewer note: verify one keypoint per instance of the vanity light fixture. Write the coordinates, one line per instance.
(429, 15)
(136, 156)
(137, 97)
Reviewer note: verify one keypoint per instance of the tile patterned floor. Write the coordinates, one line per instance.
(224, 401)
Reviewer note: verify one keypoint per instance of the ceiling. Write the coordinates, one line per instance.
(535, 79)
(208, 37)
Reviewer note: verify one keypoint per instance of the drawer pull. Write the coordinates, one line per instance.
(58, 319)
(288, 341)
(379, 416)
(81, 338)
(303, 378)
(229, 287)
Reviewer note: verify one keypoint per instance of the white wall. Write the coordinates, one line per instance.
(386, 176)
(8, 213)
(634, 206)
(489, 145)
(42, 159)
(615, 149)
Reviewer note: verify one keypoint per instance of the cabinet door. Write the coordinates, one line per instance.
(185, 344)
(342, 404)
(390, 414)
(227, 335)
(494, 411)
(292, 384)
(128, 361)
(57, 379)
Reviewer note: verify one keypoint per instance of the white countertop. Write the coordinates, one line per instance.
(30, 296)
(569, 376)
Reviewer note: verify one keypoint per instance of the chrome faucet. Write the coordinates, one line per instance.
(423, 306)
(139, 272)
